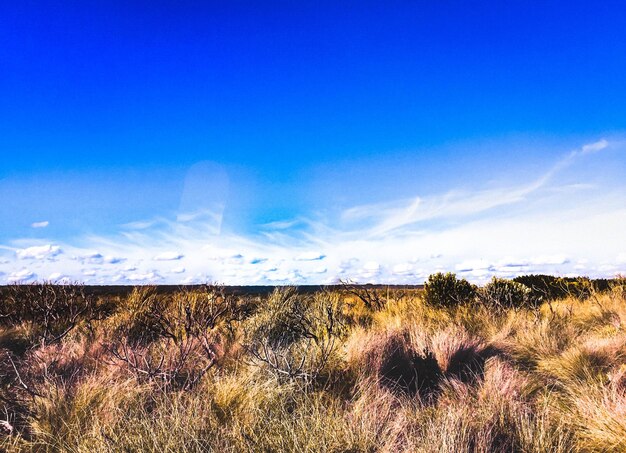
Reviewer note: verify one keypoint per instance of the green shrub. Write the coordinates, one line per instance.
(545, 287)
(504, 293)
(549, 287)
(446, 290)
(617, 286)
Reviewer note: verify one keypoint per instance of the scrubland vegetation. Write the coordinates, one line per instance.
(535, 365)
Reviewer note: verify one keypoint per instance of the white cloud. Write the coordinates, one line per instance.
(608, 268)
(40, 224)
(57, 277)
(149, 277)
(99, 258)
(371, 266)
(310, 256)
(283, 277)
(168, 256)
(22, 276)
(472, 265)
(39, 252)
(92, 258)
(402, 269)
(114, 259)
(198, 278)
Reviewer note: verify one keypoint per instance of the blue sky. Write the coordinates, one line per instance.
(297, 142)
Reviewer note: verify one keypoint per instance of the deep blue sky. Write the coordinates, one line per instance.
(278, 85)
(105, 106)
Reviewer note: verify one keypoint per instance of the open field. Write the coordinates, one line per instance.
(448, 368)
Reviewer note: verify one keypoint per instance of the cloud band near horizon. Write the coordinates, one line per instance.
(547, 224)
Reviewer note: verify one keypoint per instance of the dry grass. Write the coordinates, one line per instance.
(398, 375)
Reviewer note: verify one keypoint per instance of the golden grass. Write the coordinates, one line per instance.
(406, 377)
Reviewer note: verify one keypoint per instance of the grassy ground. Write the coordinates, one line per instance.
(330, 372)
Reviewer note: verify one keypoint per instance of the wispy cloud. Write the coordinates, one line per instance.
(537, 226)
(139, 224)
(386, 217)
(43, 224)
(594, 147)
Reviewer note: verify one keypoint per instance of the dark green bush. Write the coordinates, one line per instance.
(503, 293)
(549, 287)
(446, 290)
